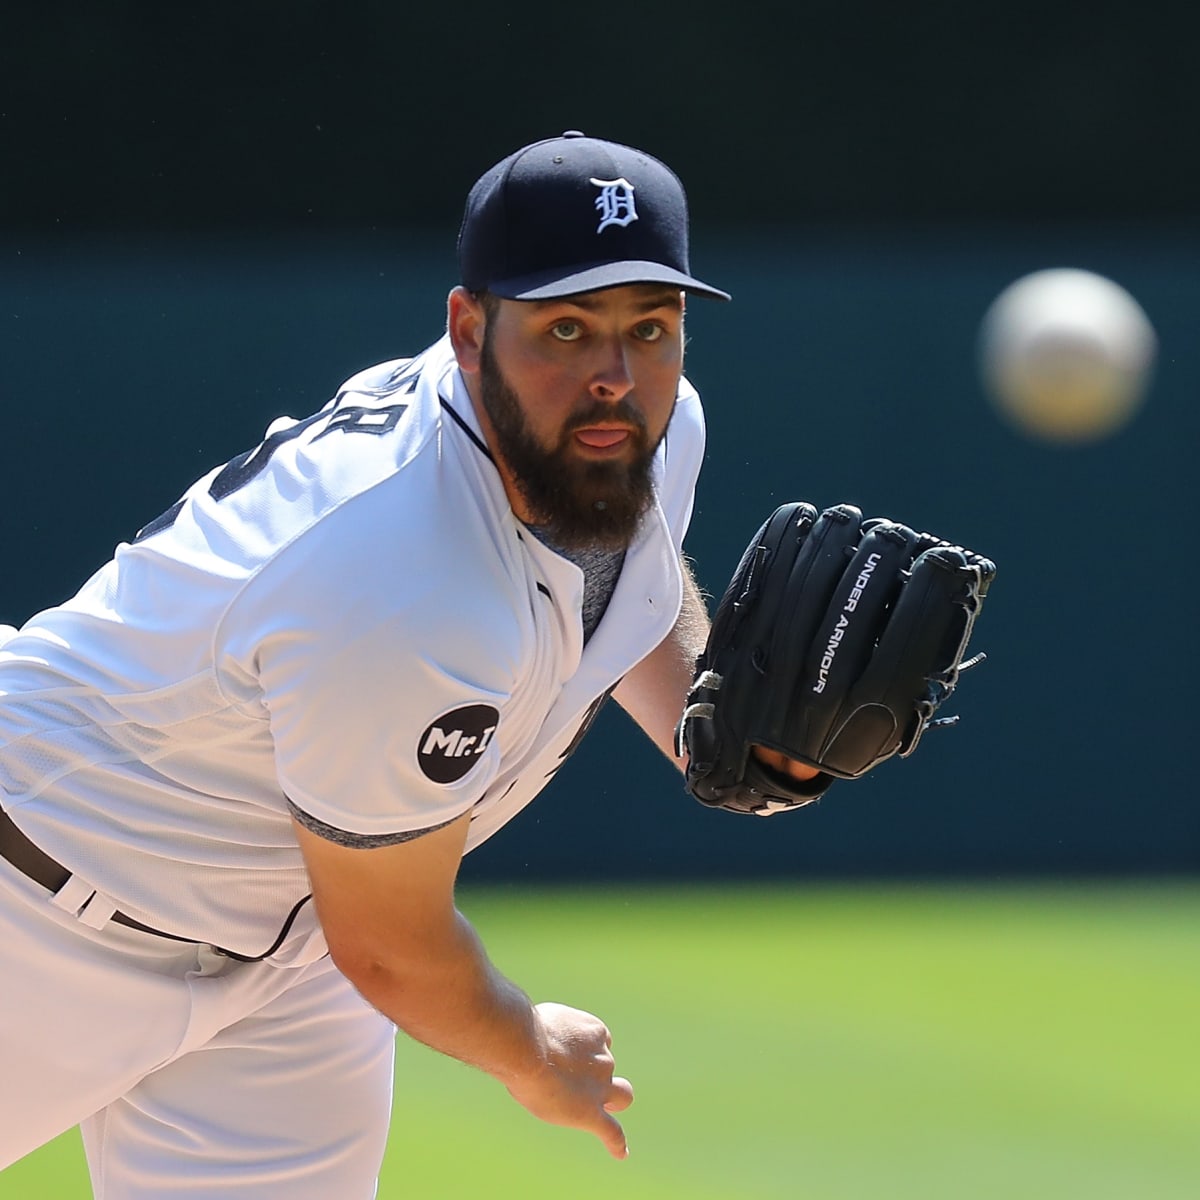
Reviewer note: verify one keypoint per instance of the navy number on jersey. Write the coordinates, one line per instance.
(353, 418)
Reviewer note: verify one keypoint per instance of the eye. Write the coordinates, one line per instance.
(648, 331)
(566, 331)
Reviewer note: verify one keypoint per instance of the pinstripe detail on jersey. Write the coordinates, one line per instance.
(479, 442)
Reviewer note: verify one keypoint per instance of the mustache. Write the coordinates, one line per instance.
(601, 412)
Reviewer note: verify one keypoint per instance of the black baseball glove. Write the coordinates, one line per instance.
(834, 644)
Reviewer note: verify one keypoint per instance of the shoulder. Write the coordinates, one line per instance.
(385, 664)
(681, 455)
(412, 553)
(687, 429)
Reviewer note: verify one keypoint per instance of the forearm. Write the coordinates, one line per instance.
(653, 692)
(554, 1060)
(446, 993)
(394, 931)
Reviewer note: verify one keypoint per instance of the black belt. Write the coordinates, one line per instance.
(41, 868)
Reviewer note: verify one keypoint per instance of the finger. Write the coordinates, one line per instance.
(620, 1096)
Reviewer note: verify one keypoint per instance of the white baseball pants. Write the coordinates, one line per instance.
(190, 1074)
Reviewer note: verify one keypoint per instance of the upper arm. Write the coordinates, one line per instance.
(382, 907)
(653, 692)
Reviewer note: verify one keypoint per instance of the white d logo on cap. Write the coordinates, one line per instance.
(615, 202)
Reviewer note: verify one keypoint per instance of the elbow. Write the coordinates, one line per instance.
(367, 962)
(357, 962)
(381, 966)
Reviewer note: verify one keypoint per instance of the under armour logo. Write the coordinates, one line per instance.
(615, 202)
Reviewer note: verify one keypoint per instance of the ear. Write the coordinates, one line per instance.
(465, 322)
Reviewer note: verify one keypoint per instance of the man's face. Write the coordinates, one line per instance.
(579, 393)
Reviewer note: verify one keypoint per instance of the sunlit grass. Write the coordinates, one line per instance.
(832, 1043)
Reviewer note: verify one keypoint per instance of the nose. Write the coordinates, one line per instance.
(612, 378)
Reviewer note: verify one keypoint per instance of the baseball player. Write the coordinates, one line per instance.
(239, 769)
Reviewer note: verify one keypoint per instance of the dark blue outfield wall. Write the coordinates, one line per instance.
(844, 370)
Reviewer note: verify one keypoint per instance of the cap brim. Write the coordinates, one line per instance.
(551, 285)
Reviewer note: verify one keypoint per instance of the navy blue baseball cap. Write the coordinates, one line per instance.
(575, 214)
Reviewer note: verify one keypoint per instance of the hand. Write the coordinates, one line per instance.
(784, 765)
(574, 1085)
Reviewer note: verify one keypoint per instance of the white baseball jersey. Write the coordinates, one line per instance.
(349, 617)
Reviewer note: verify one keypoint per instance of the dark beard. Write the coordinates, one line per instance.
(578, 504)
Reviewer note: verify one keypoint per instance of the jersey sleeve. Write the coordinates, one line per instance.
(378, 737)
(383, 684)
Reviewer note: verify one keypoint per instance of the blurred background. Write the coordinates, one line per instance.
(212, 215)
(973, 973)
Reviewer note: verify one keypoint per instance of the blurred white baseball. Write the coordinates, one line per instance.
(1067, 354)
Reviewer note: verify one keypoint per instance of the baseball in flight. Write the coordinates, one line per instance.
(1066, 355)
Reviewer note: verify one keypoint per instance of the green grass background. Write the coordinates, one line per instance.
(833, 1042)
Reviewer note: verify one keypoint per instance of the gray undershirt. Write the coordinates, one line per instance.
(601, 569)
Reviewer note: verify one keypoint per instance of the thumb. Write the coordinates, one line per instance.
(620, 1095)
